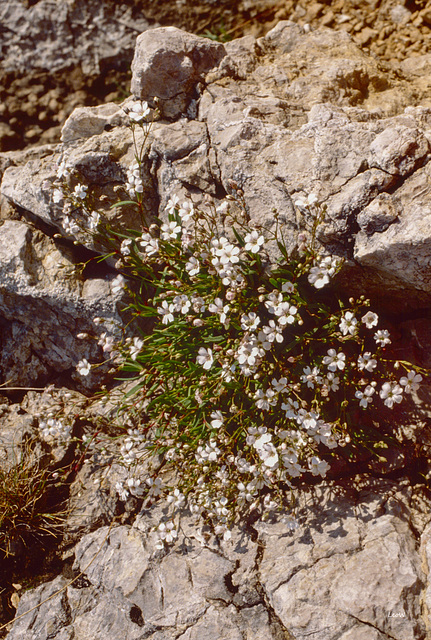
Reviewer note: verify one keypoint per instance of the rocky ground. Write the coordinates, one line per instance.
(358, 568)
(37, 94)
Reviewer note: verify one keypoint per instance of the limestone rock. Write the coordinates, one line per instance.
(85, 122)
(351, 570)
(169, 63)
(87, 33)
(43, 307)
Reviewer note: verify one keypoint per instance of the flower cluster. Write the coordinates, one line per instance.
(247, 379)
(53, 431)
(250, 381)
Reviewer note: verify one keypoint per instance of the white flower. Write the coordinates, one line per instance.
(93, 220)
(370, 319)
(139, 111)
(83, 367)
(249, 321)
(335, 360)
(366, 362)
(365, 397)
(382, 337)
(69, 225)
(134, 182)
(205, 358)
(273, 300)
(291, 408)
(170, 230)
(290, 462)
(228, 253)
(149, 244)
(118, 284)
(198, 304)
(318, 467)
(271, 332)
(125, 246)
(265, 399)
(348, 324)
(249, 353)
(122, 491)
(311, 376)
(209, 453)
(318, 277)
(136, 347)
(192, 266)
(176, 498)
(307, 419)
(217, 419)
(227, 372)
(166, 532)
(57, 196)
(166, 312)
(155, 487)
(63, 171)
(303, 203)
(279, 385)
(53, 429)
(186, 211)
(181, 303)
(173, 203)
(391, 392)
(134, 485)
(285, 313)
(331, 382)
(254, 241)
(106, 342)
(217, 307)
(288, 287)
(266, 450)
(411, 381)
(80, 191)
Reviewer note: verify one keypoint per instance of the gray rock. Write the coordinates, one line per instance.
(44, 306)
(168, 64)
(85, 122)
(262, 123)
(352, 568)
(86, 33)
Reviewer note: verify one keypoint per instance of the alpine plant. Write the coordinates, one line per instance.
(248, 378)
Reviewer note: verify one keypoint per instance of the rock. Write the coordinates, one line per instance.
(44, 306)
(168, 64)
(87, 33)
(86, 121)
(351, 570)
(262, 123)
(293, 113)
(100, 162)
(16, 429)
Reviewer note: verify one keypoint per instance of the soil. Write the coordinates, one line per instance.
(34, 106)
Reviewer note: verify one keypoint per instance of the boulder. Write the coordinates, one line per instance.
(168, 64)
(84, 33)
(352, 569)
(44, 305)
(292, 113)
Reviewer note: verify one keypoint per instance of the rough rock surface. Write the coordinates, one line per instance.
(56, 56)
(35, 102)
(44, 305)
(169, 63)
(292, 113)
(285, 115)
(354, 569)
